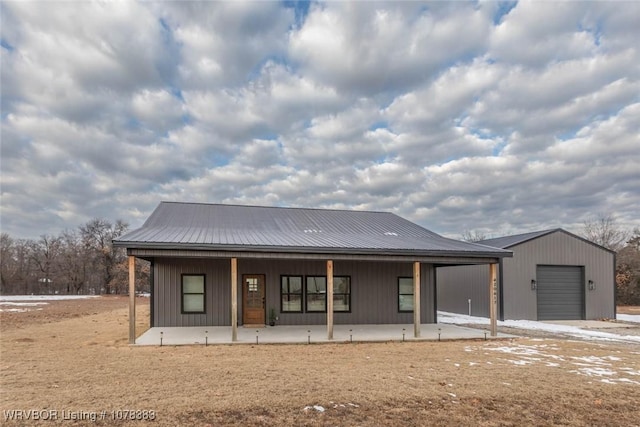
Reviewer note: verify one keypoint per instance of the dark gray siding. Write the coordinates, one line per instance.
(520, 301)
(457, 284)
(374, 290)
(167, 304)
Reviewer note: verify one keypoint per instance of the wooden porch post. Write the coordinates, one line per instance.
(329, 299)
(132, 299)
(234, 299)
(493, 298)
(416, 299)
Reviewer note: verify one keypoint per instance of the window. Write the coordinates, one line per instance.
(405, 294)
(291, 294)
(193, 293)
(341, 293)
(316, 294)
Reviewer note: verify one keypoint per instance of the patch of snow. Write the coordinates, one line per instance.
(595, 372)
(315, 407)
(461, 319)
(633, 318)
(618, 381)
(23, 304)
(520, 362)
(452, 394)
(44, 297)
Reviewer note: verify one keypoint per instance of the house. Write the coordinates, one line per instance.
(553, 275)
(230, 265)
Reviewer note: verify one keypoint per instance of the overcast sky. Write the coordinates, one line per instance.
(496, 117)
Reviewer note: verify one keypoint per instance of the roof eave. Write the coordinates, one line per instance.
(499, 253)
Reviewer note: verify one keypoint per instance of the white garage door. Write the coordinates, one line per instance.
(560, 292)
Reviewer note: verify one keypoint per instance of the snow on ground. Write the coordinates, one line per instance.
(634, 318)
(23, 303)
(606, 369)
(573, 331)
(43, 297)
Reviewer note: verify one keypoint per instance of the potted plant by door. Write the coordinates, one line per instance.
(272, 317)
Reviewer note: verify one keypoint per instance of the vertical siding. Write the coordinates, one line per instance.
(217, 292)
(374, 290)
(456, 285)
(557, 249)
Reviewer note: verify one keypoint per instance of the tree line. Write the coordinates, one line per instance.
(81, 261)
(604, 231)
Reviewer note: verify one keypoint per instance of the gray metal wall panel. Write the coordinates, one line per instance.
(217, 292)
(458, 285)
(560, 292)
(374, 290)
(557, 249)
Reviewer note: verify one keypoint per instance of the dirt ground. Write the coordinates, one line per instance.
(76, 363)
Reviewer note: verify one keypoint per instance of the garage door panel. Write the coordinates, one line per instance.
(560, 293)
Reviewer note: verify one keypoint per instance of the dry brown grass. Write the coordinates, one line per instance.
(628, 309)
(84, 363)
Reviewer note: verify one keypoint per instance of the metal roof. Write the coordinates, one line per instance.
(233, 227)
(508, 241)
(516, 239)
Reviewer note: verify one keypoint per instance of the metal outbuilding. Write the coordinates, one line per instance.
(553, 275)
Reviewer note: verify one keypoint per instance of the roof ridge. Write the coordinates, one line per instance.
(277, 207)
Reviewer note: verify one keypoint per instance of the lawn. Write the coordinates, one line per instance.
(72, 357)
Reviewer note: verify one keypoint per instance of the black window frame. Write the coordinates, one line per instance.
(203, 293)
(341, 293)
(400, 294)
(306, 294)
(282, 294)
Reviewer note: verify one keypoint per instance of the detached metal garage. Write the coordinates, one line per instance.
(553, 275)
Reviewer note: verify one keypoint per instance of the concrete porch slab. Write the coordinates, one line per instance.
(303, 334)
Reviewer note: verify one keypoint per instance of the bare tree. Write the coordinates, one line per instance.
(603, 231)
(7, 262)
(45, 254)
(74, 263)
(473, 236)
(628, 271)
(97, 236)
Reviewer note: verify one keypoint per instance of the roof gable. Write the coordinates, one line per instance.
(507, 242)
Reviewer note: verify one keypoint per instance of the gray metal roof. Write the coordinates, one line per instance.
(232, 227)
(508, 241)
(511, 241)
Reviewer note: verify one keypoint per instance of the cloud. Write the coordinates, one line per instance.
(380, 47)
(459, 116)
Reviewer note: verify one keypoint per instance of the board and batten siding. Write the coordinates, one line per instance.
(374, 290)
(519, 301)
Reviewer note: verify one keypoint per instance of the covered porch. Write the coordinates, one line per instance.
(310, 334)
